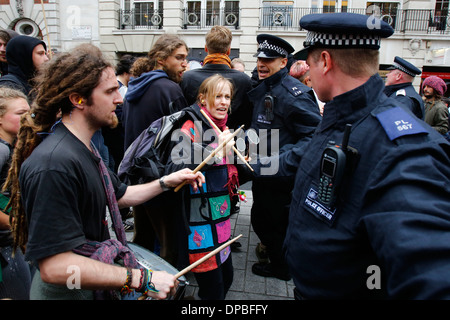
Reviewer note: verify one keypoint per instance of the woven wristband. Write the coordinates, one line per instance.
(126, 289)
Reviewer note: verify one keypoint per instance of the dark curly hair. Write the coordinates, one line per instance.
(78, 71)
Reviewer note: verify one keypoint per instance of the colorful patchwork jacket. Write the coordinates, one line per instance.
(207, 211)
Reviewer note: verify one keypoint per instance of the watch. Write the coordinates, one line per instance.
(163, 185)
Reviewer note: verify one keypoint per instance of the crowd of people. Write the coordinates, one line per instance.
(362, 174)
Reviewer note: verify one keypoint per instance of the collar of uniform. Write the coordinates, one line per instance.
(388, 90)
(352, 105)
(276, 77)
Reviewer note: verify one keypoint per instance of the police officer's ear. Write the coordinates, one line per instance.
(326, 62)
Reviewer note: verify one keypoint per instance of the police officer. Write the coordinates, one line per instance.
(285, 111)
(367, 234)
(399, 86)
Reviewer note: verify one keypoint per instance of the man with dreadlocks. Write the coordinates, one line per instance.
(60, 187)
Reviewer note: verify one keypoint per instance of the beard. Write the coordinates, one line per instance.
(428, 95)
(115, 122)
(174, 76)
(96, 122)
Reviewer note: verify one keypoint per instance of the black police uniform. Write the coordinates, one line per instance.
(280, 102)
(405, 92)
(387, 235)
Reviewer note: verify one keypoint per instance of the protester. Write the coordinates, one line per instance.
(218, 47)
(25, 56)
(123, 72)
(5, 36)
(285, 111)
(238, 64)
(60, 187)
(399, 86)
(158, 88)
(364, 236)
(15, 273)
(114, 137)
(140, 65)
(300, 71)
(436, 112)
(207, 211)
(152, 95)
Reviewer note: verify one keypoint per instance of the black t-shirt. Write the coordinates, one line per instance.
(63, 195)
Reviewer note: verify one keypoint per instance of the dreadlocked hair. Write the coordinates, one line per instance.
(78, 71)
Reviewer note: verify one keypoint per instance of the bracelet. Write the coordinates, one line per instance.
(126, 289)
(163, 185)
(145, 283)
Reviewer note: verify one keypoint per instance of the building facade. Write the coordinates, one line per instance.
(422, 27)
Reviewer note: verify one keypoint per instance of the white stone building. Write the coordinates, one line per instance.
(422, 27)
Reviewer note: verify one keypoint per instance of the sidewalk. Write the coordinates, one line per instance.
(246, 285)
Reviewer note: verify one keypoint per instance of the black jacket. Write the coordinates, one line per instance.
(241, 107)
(406, 94)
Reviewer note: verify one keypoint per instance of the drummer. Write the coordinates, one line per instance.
(59, 199)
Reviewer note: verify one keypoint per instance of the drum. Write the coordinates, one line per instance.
(149, 260)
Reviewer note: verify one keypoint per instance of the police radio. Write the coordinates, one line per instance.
(332, 168)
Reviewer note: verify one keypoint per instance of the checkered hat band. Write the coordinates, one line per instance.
(267, 46)
(403, 69)
(338, 40)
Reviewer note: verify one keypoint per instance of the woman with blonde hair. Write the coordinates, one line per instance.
(15, 277)
(207, 211)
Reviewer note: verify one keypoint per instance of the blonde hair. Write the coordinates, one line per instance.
(218, 39)
(211, 86)
(8, 94)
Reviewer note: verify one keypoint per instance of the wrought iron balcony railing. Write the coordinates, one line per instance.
(204, 18)
(140, 19)
(284, 18)
(405, 20)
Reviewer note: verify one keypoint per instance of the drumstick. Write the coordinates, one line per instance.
(212, 154)
(234, 148)
(209, 255)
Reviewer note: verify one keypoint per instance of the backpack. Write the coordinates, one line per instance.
(145, 159)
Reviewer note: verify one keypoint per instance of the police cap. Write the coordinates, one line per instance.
(342, 30)
(405, 66)
(270, 46)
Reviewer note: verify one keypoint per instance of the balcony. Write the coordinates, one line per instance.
(144, 19)
(205, 18)
(283, 18)
(407, 20)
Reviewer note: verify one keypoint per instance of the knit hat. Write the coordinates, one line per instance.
(436, 83)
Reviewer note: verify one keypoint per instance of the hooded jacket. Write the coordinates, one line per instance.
(4, 65)
(149, 97)
(21, 70)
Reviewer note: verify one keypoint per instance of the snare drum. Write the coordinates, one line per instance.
(149, 260)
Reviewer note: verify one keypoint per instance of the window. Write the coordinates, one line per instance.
(387, 11)
(277, 13)
(207, 13)
(440, 14)
(141, 14)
